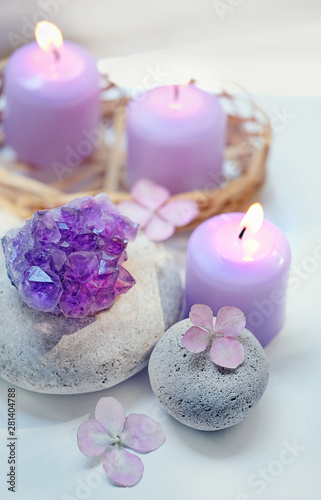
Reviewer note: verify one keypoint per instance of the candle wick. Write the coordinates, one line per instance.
(242, 233)
(56, 53)
(176, 92)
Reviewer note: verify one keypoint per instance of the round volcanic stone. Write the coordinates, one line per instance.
(53, 354)
(200, 394)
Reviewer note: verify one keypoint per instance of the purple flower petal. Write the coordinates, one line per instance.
(158, 229)
(196, 339)
(123, 468)
(149, 194)
(141, 433)
(202, 316)
(92, 438)
(230, 321)
(179, 212)
(227, 352)
(135, 212)
(111, 415)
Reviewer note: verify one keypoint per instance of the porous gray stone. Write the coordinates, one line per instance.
(53, 354)
(199, 393)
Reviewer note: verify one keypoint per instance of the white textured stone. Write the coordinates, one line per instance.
(199, 393)
(58, 355)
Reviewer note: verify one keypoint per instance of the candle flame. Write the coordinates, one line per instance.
(253, 218)
(48, 36)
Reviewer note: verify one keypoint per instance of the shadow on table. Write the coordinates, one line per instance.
(222, 443)
(39, 410)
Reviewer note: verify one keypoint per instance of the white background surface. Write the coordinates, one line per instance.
(194, 464)
(273, 48)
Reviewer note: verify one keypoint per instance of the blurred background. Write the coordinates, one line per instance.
(269, 46)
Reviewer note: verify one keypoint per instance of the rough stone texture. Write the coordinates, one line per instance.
(197, 392)
(58, 355)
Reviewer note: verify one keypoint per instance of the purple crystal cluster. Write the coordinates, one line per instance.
(70, 259)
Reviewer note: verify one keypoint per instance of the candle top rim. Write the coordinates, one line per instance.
(23, 74)
(162, 97)
(196, 117)
(204, 256)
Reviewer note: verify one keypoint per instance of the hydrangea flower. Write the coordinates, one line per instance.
(151, 209)
(111, 433)
(226, 350)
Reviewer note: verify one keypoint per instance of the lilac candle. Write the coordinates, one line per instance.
(52, 93)
(176, 137)
(228, 265)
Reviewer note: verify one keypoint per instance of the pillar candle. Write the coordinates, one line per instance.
(241, 261)
(52, 92)
(176, 137)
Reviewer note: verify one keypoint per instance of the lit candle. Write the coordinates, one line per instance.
(52, 91)
(176, 137)
(242, 261)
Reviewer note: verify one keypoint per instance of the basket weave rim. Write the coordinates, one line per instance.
(24, 195)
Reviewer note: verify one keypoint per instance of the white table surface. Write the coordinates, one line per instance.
(223, 465)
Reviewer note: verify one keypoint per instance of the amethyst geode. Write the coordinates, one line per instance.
(69, 259)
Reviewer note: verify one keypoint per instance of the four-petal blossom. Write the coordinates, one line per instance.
(112, 432)
(226, 350)
(151, 209)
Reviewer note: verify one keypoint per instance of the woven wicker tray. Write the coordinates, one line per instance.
(23, 189)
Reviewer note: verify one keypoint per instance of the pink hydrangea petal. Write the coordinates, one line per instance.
(179, 212)
(227, 352)
(135, 212)
(92, 438)
(230, 321)
(142, 434)
(158, 229)
(196, 339)
(202, 315)
(149, 194)
(111, 415)
(123, 468)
